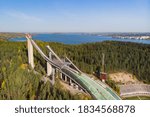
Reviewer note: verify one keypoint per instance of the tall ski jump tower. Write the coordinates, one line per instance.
(30, 51)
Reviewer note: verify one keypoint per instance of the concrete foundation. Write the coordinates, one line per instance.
(71, 83)
(76, 86)
(65, 78)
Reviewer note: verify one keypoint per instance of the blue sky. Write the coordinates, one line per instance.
(74, 15)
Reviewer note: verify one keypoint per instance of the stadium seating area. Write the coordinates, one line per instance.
(135, 90)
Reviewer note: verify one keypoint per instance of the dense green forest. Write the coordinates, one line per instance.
(119, 56)
(17, 82)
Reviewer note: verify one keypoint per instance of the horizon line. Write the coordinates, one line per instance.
(74, 32)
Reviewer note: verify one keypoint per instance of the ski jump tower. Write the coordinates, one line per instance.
(30, 51)
(50, 70)
(69, 73)
(53, 65)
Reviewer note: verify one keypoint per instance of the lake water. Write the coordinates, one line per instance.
(77, 38)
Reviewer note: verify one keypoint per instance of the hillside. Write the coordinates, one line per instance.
(16, 82)
(6, 36)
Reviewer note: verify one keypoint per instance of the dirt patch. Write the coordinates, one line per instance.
(70, 88)
(123, 78)
(74, 91)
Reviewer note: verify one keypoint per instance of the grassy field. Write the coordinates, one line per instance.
(137, 98)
